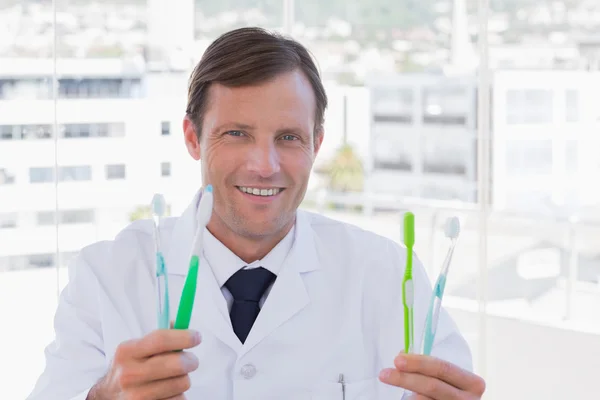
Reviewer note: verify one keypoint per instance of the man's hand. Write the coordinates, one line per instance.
(150, 368)
(430, 378)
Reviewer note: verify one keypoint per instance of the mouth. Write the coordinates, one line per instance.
(260, 192)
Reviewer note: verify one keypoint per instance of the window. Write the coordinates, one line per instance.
(6, 177)
(529, 157)
(75, 173)
(45, 218)
(571, 157)
(393, 105)
(65, 174)
(442, 155)
(115, 171)
(391, 156)
(165, 128)
(446, 105)
(93, 130)
(66, 217)
(41, 174)
(41, 260)
(29, 132)
(44, 131)
(6, 132)
(530, 106)
(99, 88)
(165, 169)
(25, 132)
(76, 216)
(8, 220)
(572, 106)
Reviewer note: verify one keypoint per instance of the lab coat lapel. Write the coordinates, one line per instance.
(210, 308)
(288, 295)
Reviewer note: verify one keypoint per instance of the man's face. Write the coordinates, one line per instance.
(257, 149)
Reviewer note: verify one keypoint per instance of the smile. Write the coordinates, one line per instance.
(260, 191)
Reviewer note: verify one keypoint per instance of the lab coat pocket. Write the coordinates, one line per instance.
(365, 389)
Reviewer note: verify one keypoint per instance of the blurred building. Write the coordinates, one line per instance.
(544, 139)
(423, 137)
(118, 143)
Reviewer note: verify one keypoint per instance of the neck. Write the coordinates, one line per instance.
(247, 247)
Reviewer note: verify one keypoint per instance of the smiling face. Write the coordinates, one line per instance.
(257, 147)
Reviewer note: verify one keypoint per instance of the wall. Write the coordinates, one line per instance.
(525, 361)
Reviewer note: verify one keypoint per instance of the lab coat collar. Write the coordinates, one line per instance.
(287, 297)
(180, 246)
(225, 263)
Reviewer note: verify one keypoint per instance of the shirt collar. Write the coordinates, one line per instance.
(224, 263)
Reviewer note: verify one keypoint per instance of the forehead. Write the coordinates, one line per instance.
(286, 99)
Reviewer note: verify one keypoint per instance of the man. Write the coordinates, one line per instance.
(290, 305)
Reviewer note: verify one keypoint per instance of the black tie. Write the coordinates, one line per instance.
(247, 287)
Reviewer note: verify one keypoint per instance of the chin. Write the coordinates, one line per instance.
(269, 225)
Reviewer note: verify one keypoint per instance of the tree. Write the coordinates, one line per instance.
(145, 212)
(345, 171)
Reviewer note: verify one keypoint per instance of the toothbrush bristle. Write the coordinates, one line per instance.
(452, 228)
(205, 207)
(409, 229)
(159, 205)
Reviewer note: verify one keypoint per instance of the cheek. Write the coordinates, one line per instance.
(297, 166)
(219, 158)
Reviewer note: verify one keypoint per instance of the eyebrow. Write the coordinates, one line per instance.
(237, 125)
(233, 125)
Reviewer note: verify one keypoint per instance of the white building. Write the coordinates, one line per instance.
(544, 128)
(546, 140)
(119, 142)
(423, 137)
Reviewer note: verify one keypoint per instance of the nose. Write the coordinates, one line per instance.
(263, 159)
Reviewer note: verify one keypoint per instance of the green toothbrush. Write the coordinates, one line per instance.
(188, 294)
(408, 295)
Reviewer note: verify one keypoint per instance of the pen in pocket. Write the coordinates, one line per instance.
(343, 384)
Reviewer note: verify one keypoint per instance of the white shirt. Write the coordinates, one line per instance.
(224, 263)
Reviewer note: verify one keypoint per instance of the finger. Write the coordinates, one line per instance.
(165, 340)
(168, 365)
(421, 384)
(419, 397)
(164, 389)
(439, 369)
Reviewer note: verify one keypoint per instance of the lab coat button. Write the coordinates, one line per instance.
(248, 371)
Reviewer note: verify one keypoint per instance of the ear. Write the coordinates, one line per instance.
(318, 138)
(192, 142)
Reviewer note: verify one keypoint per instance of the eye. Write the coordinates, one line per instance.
(234, 133)
(289, 137)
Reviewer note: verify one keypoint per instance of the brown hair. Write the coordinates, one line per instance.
(249, 56)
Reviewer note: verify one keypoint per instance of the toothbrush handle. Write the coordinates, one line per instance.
(408, 293)
(163, 306)
(186, 305)
(433, 315)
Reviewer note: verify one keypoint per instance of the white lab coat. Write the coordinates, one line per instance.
(335, 308)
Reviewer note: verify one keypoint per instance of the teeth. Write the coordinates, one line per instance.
(259, 192)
